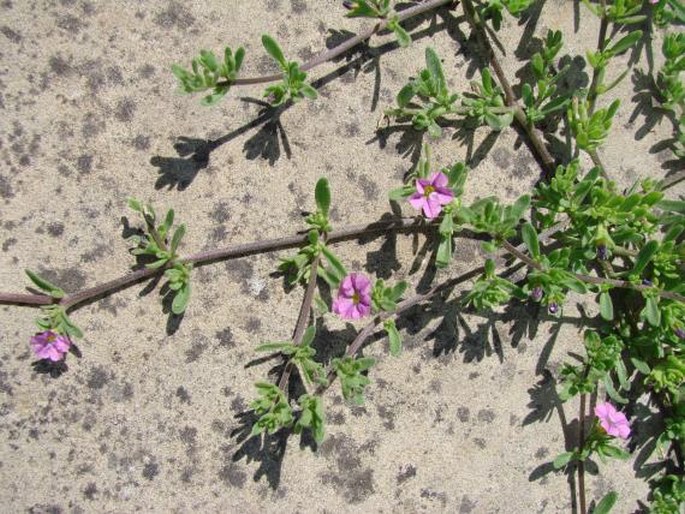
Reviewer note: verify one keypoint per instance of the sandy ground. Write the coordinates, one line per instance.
(149, 418)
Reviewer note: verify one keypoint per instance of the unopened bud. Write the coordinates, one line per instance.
(536, 294)
(602, 253)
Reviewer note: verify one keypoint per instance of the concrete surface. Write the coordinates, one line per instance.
(464, 421)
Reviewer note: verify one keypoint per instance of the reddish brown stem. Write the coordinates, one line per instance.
(331, 54)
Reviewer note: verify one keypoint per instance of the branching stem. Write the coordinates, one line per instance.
(588, 279)
(343, 47)
(510, 99)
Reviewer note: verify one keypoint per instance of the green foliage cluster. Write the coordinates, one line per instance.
(154, 243)
(207, 73)
(53, 317)
(293, 86)
(485, 104)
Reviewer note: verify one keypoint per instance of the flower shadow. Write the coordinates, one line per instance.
(48, 367)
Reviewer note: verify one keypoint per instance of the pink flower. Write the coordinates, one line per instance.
(50, 345)
(354, 297)
(431, 194)
(612, 421)
(653, 1)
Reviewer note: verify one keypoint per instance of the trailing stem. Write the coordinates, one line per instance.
(343, 47)
(510, 98)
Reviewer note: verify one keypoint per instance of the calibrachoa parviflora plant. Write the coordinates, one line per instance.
(575, 233)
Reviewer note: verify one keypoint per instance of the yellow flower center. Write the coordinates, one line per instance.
(355, 298)
(51, 338)
(427, 190)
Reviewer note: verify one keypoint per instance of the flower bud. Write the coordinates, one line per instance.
(536, 294)
(349, 5)
(553, 308)
(646, 282)
(680, 332)
(602, 253)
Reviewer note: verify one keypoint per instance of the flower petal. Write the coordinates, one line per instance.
(362, 285)
(431, 208)
(624, 431)
(417, 201)
(601, 410)
(421, 183)
(364, 309)
(439, 179)
(341, 305)
(444, 194)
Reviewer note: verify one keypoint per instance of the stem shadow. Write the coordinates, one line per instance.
(194, 153)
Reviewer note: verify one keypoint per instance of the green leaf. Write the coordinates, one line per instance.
(178, 235)
(322, 194)
(489, 268)
(530, 237)
(403, 37)
(405, 95)
(178, 306)
(394, 337)
(444, 254)
(645, 255)
(400, 193)
(611, 390)
(135, 205)
(70, 328)
(308, 336)
(606, 306)
(574, 284)
(179, 72)
(274, 50)
(209, 59)
(606, 504)
(640, 365)
(336, 266)
(488, 247)
(285, 347)
(41, 283)
(212, 99)
(435, 69)
(239, 56)
(625, 42)
(652, 311)
(554, 105)
(398, 290)
(434, 130)
(157, 264)
(562, 460)
(329, 277)
(615, 452)
(672, 206)
(309, 92)
(518, 208)
(168, 220)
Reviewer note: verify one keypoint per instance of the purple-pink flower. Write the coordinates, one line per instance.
(354, 297)
(50, 345)
(612, 421)
(431, 194)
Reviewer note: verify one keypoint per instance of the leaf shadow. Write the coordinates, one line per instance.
(194, 153)
(268, 450)
(530, 19)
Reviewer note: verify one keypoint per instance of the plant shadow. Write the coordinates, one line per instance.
(194, 153)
